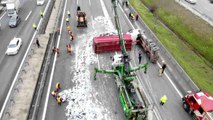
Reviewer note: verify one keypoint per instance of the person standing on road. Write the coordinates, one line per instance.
(59, 100)
(34, 26)
(68, 14)
(139, 57)
(162, 69)
(54, 94)
(136, 17)
(163, 100)
(58, 86)
(37, 43)
(67, 21)
(127, 4)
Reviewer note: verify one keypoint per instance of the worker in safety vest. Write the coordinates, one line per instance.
(54, 93)
(69, 50)
(57, 86)
(42, 14)
(59, 100)
(163, 100)
(55, 50)
(68, 14)
(67, 21)
(71, 35)
(34, 26)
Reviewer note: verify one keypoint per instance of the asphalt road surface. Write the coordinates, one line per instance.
(89, 99)
(29, 14)
(204, 7)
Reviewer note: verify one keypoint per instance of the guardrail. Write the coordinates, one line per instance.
(9, 101)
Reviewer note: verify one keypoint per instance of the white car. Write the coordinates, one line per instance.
(40, 2)
(191, 1)
(14, 46)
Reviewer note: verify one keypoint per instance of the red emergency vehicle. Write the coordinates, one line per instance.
(199, 105)
(110, 43)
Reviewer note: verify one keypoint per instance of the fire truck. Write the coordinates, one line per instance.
(199, 105)
(148, 45)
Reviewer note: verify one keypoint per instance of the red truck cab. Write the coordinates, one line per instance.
(199, 105)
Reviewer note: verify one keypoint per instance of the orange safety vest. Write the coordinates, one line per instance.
(59, 99)
(57, 85)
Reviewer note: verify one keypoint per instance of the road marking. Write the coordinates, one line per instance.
(3, 15)
(52, 72)
(77, 2)
(171, 82)
(104, 9)
(89, 2)
(28, 15)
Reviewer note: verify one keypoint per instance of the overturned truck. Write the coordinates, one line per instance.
(149, 47)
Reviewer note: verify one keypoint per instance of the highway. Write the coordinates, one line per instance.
(204, 7)
(89, 99)
(29, 14)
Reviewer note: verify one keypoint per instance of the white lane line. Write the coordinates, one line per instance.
(3, 15)
(171, 82)
(89, 3)
(28, 15)
(76, 58)
(77, 2)
(52, 72)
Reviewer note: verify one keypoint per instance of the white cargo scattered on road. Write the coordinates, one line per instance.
(14, 46)
(40, 2)
(134, 34)
(191, 1)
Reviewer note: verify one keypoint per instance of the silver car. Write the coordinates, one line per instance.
(14, 21)
(191, 1)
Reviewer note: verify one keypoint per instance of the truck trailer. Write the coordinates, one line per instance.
(12, 7)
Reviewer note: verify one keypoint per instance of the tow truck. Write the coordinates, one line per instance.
(199, 105)
(131, 95)
(81, 19)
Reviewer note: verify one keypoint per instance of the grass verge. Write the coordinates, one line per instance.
(194, 64)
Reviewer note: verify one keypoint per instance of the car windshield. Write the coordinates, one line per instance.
(12, 19)
(12, 46)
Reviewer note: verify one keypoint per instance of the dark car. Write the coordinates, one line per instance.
(211, 1)
(14, 21)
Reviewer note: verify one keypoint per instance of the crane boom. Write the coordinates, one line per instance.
(130, 94)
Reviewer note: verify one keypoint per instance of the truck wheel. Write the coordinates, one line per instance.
(194, 117)
(186, 107)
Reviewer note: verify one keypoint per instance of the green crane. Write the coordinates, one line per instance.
(130, 95)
